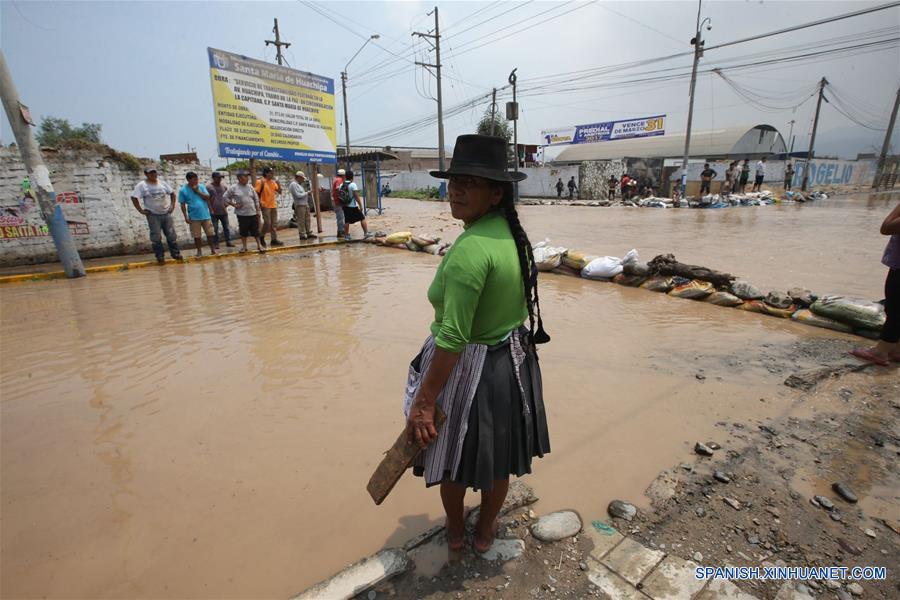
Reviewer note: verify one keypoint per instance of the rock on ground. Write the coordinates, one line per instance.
(621, 510)
(556, 526)
(360, 576)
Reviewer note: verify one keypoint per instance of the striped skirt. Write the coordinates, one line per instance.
(496, 421)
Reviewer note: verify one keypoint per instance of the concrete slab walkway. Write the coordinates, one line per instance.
(45, 271)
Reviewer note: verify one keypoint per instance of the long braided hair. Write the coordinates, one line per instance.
(526, 261)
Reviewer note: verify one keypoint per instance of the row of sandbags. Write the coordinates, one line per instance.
(407, 241)
(839, 313)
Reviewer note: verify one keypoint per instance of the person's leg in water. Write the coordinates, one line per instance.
(888, 347)
(453, 496)
(491, 503)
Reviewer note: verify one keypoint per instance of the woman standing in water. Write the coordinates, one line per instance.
(480, 363)
(888, 347)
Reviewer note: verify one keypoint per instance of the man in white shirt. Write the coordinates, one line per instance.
(301, 205)
(760, 174)
(156, 200)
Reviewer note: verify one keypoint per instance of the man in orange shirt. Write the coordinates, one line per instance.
(268, 189)
(336, 200)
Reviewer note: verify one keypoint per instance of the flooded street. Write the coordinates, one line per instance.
(207, 430)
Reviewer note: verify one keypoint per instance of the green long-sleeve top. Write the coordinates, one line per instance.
(477, 292)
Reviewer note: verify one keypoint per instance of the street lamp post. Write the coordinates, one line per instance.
(374, 36)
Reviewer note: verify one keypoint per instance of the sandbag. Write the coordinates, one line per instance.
(636, 268)
(872, 334)
(411, 245)
(547, 258)
(425, 240)
(801, 297)
(723, 299)
(658, 283)
(746, 290)
(629, 280)
(401, 237)
(860, 314)
(564, 269)
(804, 315)
(693, 290)
(758, 306)
(778, 300)
(607, 267)
(432, 249)
(577, 260)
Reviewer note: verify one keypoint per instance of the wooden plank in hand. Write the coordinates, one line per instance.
(396, 461)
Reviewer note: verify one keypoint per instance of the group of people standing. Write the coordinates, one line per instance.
(738, 175)
(205, 209)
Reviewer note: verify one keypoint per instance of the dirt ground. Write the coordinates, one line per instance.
(845, 429)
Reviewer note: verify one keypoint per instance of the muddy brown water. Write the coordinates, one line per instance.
(207, 430)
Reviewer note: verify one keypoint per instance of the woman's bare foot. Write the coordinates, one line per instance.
(456, 536)
(485, 539)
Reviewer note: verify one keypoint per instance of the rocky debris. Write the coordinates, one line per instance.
(556, 526)
(698, 557)
(721, 477)
(702, 449)
(621, 510)
(504, 550)
(844, 491)
(808, 380)
(855, 589)
(732, 503)
(662, 488)
(360, 576)
(824, 502)
(870, 533)
(836, 515)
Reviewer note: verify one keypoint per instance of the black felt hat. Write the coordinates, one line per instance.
(480, 156)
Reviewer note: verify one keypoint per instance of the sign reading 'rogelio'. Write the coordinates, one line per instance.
(604, 132)
(271, 112)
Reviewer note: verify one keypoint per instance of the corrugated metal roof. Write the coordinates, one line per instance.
(758, 139)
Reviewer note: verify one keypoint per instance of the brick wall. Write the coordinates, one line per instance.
(104, 189)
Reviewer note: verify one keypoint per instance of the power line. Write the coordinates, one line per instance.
(642, 24)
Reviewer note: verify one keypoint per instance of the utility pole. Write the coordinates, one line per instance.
(436, 36)
(812, 141)
(512, 113)
(494, 112)
(698, 52)
(279, 57)
(791, 136)
(887, 143)
(19, 121)
(374, 36)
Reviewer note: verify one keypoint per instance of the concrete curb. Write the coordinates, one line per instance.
(129, 265)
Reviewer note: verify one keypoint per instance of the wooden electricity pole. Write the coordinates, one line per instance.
(42, 188)
(887, 143)
(812, 141)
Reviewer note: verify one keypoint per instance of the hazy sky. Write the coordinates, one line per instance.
(141, 70)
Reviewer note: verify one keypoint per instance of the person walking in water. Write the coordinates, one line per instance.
(352, 203)
(301, 205)
(559, 187)
(155, 200)
(888, 347)
(572, 187)
(194, 201)
(268, 189)
(245, 201)
(745, 176)
(480, 363)
(217, 207)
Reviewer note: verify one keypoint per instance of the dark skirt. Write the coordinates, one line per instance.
(352, 214)
(505, 430)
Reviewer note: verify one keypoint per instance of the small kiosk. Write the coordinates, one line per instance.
(368, 176)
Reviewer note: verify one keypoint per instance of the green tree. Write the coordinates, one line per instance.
(53, 132)
(496, 125)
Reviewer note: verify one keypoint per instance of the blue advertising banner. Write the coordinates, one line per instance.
(607, 131)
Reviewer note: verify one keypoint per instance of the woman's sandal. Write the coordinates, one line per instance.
(866, 354)
(481, 548)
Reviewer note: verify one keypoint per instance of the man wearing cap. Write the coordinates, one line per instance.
(194, 201)
(301, 205)
(336, 199)
(156, 200)
(218, 208)
(268, 189)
